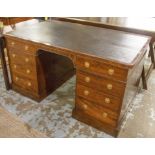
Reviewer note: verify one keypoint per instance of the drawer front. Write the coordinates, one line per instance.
(97, 67)
(26, 71)
(17, 56)
(101, 83)
(21, 46)
(24, 82)
(23, 63)
(99, 113)
(98, 97)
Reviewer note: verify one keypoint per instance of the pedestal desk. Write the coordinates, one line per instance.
(107, 64)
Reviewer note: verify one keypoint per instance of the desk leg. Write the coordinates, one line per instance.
(4, 66)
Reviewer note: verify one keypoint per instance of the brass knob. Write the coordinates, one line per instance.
(26, 59)
(28, 71)
(86, 92)
(26, 48)
(105, 114)
(13, 55)
(29, 84)
(111, 71)
(87, 79)
(17, 78)
(107, 100)
(15, 66)
(12, 43)
(109, 86)
(87, 64)
(85, 106)
(5, 50)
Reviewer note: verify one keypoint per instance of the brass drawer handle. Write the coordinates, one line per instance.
(29, 84)
(26, 48)
(107, 100)
(87, 79)
(87, 64)
(85, 106)
(109, 86)
(26, 59)
(15, 66)
(111, 71)
(12, 43)
(28, 71)
(17, 78)
(104, 114)
(86, 92)
(13, 55)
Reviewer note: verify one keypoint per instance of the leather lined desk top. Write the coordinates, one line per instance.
(107, 44)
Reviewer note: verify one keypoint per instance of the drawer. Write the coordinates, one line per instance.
(97, 112)
(23, 63)
(22, 58)
(97, 67)
(24, 70)
(24, 82)
(21, 46)
(98, 97)
(103, 84)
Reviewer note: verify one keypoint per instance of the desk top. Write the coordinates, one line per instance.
(98, 42)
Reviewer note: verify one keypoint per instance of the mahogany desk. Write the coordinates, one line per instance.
(107, 64)
(143, 26)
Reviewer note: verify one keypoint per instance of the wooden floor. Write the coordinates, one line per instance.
(12, 127)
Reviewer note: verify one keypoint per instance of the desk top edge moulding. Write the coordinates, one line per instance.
(108, 65)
